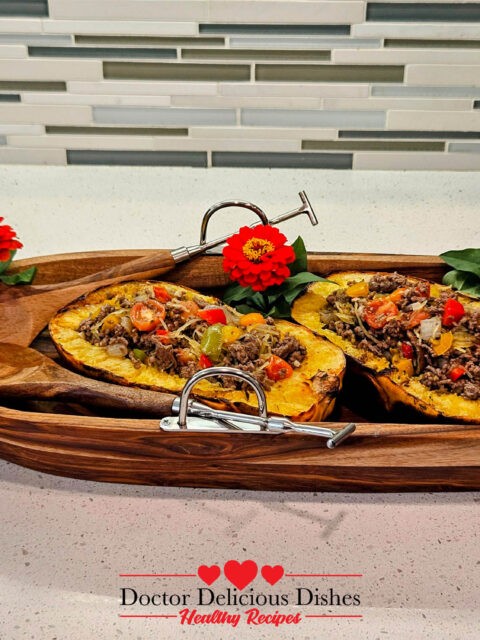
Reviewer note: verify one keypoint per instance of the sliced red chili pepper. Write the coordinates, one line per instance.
(407, 350)
(278, 369)
(213, 316)
(161, 294)
(205, 362)
(456, 373)
(452, 312)
(163, 335)
(145, 316)
(417, 317)
(378, 312)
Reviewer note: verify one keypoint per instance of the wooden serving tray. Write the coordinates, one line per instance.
(388, 452)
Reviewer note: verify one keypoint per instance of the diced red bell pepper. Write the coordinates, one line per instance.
(452, 312)
(213, 316)
(456, 373)
(161, 294)
(163, 335)
(407, 350)
(205, 362)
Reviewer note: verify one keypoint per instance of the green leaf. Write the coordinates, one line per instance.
(463, 281)
(281, 309)
(236, 293)
(4, 265)
(24, 277)
(245, 308)
(463, 260)
(300, 263)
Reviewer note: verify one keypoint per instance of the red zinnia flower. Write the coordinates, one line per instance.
(8, 241)
(258, 257)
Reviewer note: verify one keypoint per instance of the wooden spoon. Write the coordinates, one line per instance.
(26, 373)
(26, 310)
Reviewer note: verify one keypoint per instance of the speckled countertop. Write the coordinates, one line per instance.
(64, 542)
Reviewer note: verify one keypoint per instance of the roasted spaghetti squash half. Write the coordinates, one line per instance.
(156, 335)
(418, 342)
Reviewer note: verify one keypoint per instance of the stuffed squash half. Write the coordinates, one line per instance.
(156, 335)
(419, 342)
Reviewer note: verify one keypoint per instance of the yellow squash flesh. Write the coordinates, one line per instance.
(300, 396)
(392, 386)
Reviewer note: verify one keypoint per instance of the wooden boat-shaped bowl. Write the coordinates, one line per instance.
(386, 453)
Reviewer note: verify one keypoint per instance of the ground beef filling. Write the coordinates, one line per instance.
(250, 353)
(346, 316)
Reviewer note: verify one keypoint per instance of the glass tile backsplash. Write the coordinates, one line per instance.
(332, 84)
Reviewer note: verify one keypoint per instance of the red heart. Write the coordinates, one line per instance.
(240, 575)
(272, 574)
(208, 574)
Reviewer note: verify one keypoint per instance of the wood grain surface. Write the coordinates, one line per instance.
(380, 456)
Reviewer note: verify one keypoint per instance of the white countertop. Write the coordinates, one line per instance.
(64, 542)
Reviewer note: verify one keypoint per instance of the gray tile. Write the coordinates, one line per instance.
(464, 147)
(163, 116)
(282, 160)
(405, 91)
(139, 158)
(372, 145)
(328, 73)
(32, 85)
(476, 104)
(275, 29)
(419, 135)
(101, 52)
(24, 8)
(116, 131)
(255, 54)
(304, 43)
(9, 97)
(34, 38)
(169, 41)
(311, 118)
(423, 12)
(3, 140)
(159, 71)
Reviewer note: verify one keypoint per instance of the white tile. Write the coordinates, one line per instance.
(402, 55)
(305, 42)
(250, 101)
(51, 69)
(37, 114)
(442, 74)
(12, 51)
(162, 143)
(434, 120)
(427, 30)
(416, 161)
(257, 11)
(120, 28)
(267, 134)
(33, 156)
(83, 142)
(291, 89)
(32, 129)
(44, 97)
(400, 104)
(128, 87)
(129, 9)
(20, 25)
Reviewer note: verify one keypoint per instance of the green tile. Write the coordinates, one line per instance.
(175, 71)
(101, 52)
(434, 44)
(328, 73)
(32, 85)
(249, 54)
(9, 97)
(117, 131)
(371, 145)
(282, 160)
(172, 41)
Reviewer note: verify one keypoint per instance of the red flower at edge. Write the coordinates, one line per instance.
(258, 257)
(8, 241)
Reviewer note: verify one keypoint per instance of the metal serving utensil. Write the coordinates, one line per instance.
(195, 416)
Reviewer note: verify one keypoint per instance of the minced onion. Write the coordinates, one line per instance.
(117, 350)
(430, 328)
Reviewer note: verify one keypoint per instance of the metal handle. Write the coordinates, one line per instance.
(221, 371)
(229, 203)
